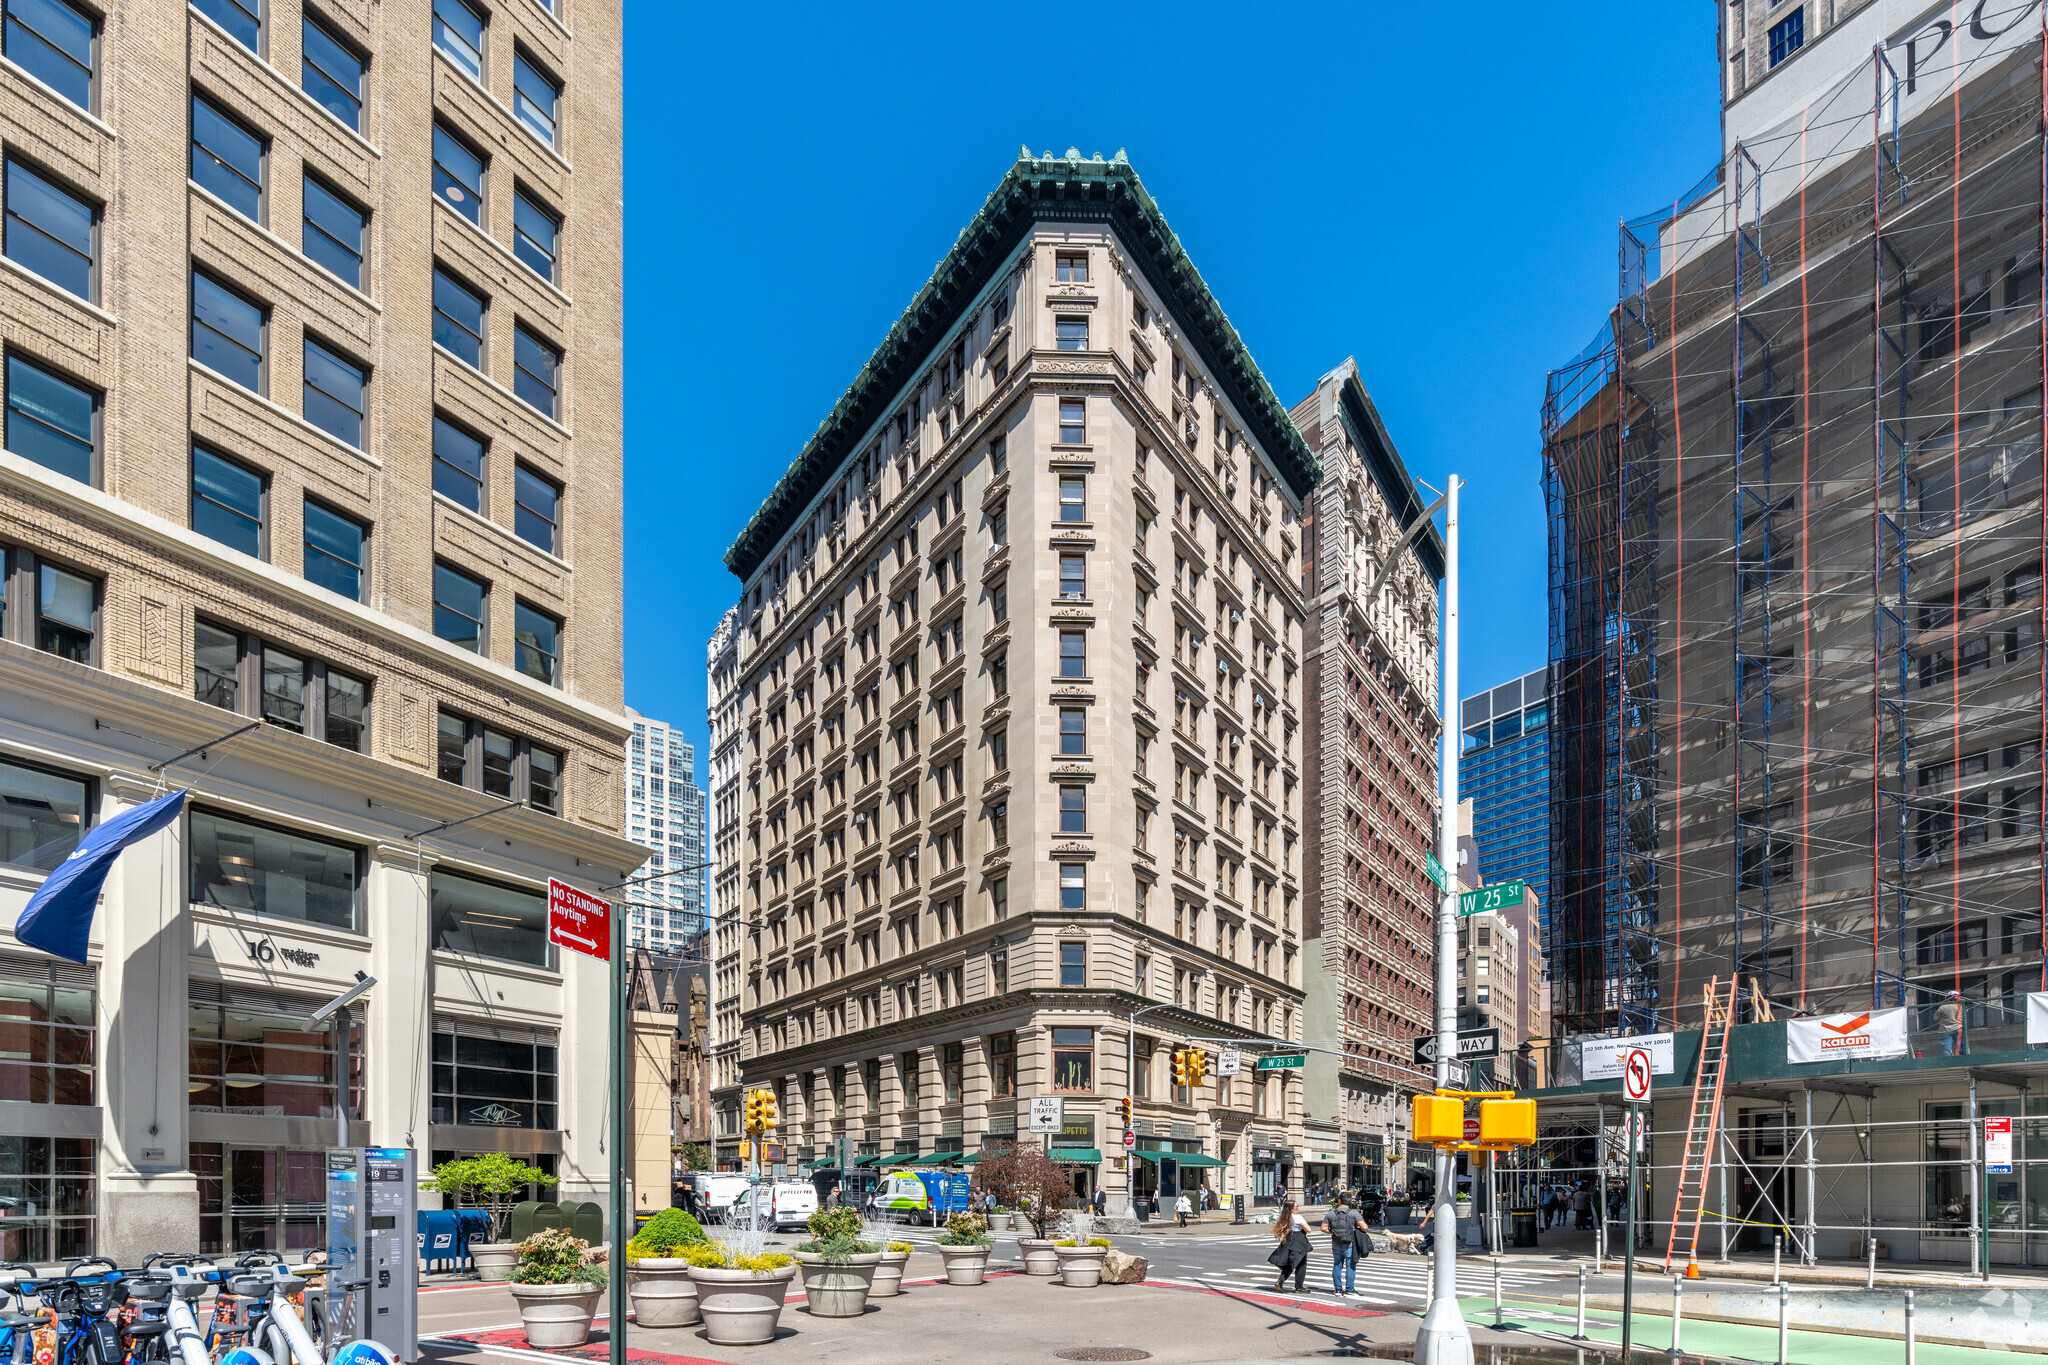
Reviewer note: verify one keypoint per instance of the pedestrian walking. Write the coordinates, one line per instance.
(1428, 1235)
(1101, 1202)
(1183, 1207)
(1582, 1205)
(1346, 1231)
(1290, 1230)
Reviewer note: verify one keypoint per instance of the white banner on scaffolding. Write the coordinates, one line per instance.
(1847, 1037)
(1602, 1059)
(2037, 1018)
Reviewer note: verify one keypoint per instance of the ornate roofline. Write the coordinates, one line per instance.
(1036, 189)
(1384, 463)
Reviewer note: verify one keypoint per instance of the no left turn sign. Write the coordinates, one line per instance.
(1635, 1075)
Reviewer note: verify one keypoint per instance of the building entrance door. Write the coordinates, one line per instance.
(260, 1198)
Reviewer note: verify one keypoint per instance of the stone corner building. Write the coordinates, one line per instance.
(1016, 690)
(1371, 759)
(313, 432)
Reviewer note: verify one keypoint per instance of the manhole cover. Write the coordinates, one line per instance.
(1103, 1353)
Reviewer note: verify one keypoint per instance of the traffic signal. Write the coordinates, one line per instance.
(1127, 1111)
(767, 1109)
(1180, 1066)
(753, 1111)
(1198, 1065)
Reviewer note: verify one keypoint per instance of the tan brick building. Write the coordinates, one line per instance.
(1019, 679)
(313, 418)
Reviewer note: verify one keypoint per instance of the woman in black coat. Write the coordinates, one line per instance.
(1290, 1230)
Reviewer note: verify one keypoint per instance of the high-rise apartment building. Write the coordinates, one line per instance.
(665, 815)
(1016, 690)
(1504, 770)
(723, 770)
(1371, 765)
(349, 573)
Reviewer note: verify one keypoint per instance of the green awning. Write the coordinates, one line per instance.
(1185, 1158)
(970, 1158)
(1080, 1156)
(866, 1160)
(814, 1165)
(935, 1159)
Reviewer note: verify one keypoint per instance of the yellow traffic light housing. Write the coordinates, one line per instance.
(752, 1107)
(1198, 1066)
(1505, 1124)
(1127, 1111)
(1437, 1120)
(1180, 1067)
(768, 1115)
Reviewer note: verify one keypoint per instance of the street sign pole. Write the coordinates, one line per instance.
(622, 1096)
(1443, 1338)
(1628, 1262)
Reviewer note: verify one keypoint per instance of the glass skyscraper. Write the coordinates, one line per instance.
(1504, 770)
(665, 814)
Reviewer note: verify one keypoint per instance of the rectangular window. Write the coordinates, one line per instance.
(544, 779)
(1073, 810)
(1073, 426)
(279, 873)
(1073, 654)
(1073, 964)
(1073, 886)
(334, 551)
(494, 1078)
(348, 701)
(1073, 730)
(1788, 35)
(537, 509)
(217, 666)
(1002, 1065)
(331, 74)
(228, 502)
(533, 236)
(487, 920)
(999, 823)
(1073, 1059)
(537, 641)
(458, 320)
(227, 160)
(536, 99)
(451, 749)
(951, 1069)
(42, 817)
(1073, 575)
(56, 44)
(536, 369)
(241, 18)
(336, 394)
(999, 898)
(1074, 499)
(331, 233)
(459, 609)
(49, 231)
(227, 333)
(51, 421)
(458, 465)
(458, 172)
(1071, 267)
(281, 687)
(459, 32)
(1072, 336)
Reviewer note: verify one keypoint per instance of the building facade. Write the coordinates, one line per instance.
(1504, 770)
(722, 793)
(1371, 757)
(665, 815)
(310, 506)
(1017, 694)
(671, 1081)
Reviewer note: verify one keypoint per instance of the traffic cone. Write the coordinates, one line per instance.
(1692, 1265)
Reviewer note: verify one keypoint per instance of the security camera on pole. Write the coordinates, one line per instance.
(1443, 1338)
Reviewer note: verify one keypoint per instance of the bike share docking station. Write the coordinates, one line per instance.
(372, 1207)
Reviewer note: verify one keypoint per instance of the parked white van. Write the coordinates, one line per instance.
(716, 1191)
(782, 1205)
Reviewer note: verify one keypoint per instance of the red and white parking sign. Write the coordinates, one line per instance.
(579, 920)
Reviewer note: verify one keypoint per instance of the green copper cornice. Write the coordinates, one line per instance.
(1066, 189)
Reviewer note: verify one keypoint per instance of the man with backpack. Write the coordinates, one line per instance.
(1348, 1242)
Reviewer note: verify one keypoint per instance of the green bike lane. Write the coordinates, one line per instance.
(1727, 1340)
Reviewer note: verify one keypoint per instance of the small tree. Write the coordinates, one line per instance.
(693, 1156)
(1025, 1178)
(492, 1182)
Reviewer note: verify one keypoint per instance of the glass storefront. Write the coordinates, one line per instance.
(46, 1033)
(493, 1078)
(277, 873)
(260, 1199)
(46, 1198)
(254, 1054)
(483, 919)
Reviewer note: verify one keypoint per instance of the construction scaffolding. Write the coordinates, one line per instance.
(1796, 545)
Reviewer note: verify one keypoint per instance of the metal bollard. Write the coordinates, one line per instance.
(1909, 1327)
(1777, 1254)
(1677, 1310)
(1870, 1276)
(1784, 1322)
(1496, 1291)
(1580, 1333)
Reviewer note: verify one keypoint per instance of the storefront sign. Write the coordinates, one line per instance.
(1076, 1131)
(1847, 1037)
(579, 920)
(1604, 1059)
(266, 951)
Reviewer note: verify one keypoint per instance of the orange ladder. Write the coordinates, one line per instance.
(1704, 1125)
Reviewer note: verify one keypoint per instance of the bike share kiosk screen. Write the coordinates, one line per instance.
(372, 1204)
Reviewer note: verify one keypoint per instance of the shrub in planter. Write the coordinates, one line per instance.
(661, 1290)
(838, 1268)
(739, 1290)
(493, 1182)
(888, 1281)
(1080, 1262)
(557, 1289)
(965, 1245)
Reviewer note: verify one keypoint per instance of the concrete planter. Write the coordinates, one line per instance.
(493, 1260)
(965, 1265)
(1394, 1216)
(741, 1307)
(888, 1281)
(662, 1292)
(1080, 1267)
(1039, 1258)
(837, 1289)
(556, 1316)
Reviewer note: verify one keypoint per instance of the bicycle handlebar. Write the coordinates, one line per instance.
(71, 1271)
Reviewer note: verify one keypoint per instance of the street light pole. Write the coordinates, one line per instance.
(1131, 1089)
(1443, 1338)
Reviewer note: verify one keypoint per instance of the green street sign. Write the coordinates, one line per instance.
(1497, 897)
(1291, 1061)
(1436, 871)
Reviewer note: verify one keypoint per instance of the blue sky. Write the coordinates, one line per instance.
(1433, 192)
